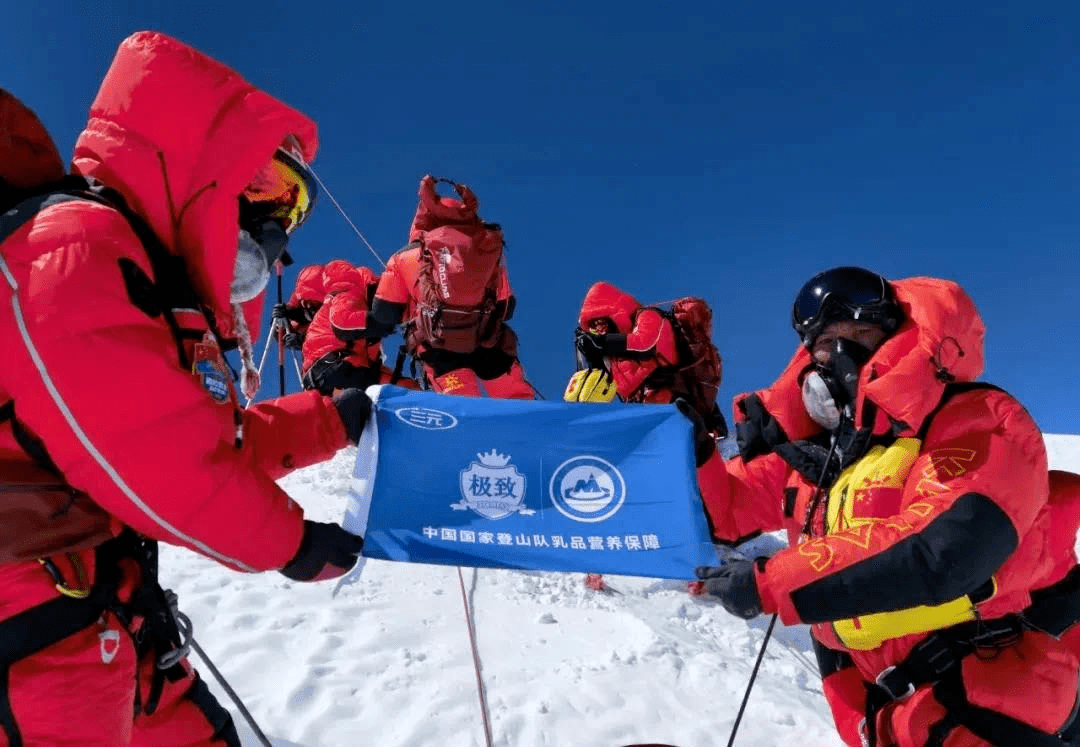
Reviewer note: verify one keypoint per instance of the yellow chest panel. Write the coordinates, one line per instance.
(868, 491)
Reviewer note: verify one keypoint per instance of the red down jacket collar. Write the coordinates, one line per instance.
(942, 330)
(180, 135)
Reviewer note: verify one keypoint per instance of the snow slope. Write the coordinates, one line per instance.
(388, 662)
(1064, 452)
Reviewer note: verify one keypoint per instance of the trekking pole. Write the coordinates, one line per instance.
(750, 684)
(346, 217)
(266, 349)
(280, 335)
(811, 510)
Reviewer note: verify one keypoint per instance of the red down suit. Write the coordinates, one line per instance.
(923, 532)
(339, 325)
(495, 368)
(337, 352)
(650, 340)
(98, 382)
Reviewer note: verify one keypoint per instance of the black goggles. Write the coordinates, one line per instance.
(843, 293)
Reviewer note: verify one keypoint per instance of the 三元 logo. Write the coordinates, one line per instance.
(587, 488)
(426, 418)
(492, 487)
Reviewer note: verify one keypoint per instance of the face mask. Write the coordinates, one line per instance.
(251, 272)
(829, 389)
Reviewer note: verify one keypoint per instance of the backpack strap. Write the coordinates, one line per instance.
(682, 345)
(170, 289)
(15, 217)
(951, 390)
(30, 445)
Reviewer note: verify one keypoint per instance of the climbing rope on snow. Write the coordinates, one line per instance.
(476, 657)
(263, 740)
(187, 641)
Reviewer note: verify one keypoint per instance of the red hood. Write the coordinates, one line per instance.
(941, 323)
(309, 286)
(180, 135)
(605, 301)
(342, 277)
(30, 156)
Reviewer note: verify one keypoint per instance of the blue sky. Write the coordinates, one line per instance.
(726, 150)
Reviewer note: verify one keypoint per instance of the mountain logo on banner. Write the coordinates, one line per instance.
(426, 418)
(587, 488)
(492, 487)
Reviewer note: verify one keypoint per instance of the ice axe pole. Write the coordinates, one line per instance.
(280, 333)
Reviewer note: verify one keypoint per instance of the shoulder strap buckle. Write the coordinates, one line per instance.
(895, 684)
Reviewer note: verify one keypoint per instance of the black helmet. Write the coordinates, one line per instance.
(844, 294)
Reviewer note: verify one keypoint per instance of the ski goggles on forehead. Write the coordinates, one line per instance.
(841, 293)
(284, 190)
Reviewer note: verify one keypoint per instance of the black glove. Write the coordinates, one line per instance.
(326, 551)
(332, 373)
(734, 585)
(716, 423)
(355, 408)
(590, 346)
(294, 341)
(704, 441)
(278, 312)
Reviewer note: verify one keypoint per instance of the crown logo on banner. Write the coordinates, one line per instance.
(493, 458)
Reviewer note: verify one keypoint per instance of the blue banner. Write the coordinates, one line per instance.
(603, 488)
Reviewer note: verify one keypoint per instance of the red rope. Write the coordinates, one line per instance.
(476, 659)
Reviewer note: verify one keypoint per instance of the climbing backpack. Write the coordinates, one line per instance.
(43, 514)
(698, 374)
(460, 265)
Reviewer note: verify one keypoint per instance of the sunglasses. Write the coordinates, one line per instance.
(283, 190)
(843, 293)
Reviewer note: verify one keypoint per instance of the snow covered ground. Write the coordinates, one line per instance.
(387, 661)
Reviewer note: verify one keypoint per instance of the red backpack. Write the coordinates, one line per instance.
(698, 374)
(460, 260)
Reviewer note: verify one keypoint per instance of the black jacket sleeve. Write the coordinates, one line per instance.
(931, 567)
(385, 315)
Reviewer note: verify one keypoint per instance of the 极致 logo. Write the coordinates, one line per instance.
(587, 488)
(492, 487)
(426, 418)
